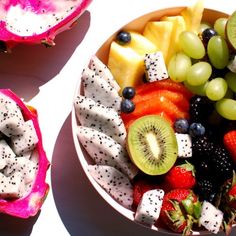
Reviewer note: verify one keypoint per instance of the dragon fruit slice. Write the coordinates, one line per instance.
(101, 118)
(114, 182)
(103, 71)
(37, 21)
(211, 217)
(27, 196)
(6, 154)
(98, 89)
(184, 142)
(149, 208)
(106, 151)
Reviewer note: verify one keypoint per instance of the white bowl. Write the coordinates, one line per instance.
(102, 53)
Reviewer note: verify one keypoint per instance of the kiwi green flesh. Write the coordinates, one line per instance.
(231, 30)
(152, 144)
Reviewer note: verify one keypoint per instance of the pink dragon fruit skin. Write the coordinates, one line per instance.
(39, 8)
(31, 203)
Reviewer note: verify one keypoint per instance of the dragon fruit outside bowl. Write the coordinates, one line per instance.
(35, 22)
(102, 53)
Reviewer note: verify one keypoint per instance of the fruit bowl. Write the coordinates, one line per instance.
(137, 25)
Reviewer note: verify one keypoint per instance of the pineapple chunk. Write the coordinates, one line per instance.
(159, 32)
(178, 27)
(141, 44)
(126, 65)
(193, 16)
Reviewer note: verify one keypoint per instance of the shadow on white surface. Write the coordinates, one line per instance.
(30, 66)
(80, 207)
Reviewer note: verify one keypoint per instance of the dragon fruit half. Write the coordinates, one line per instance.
(34, 21)
(22, 174)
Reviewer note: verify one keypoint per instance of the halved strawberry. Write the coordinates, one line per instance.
(166, 84)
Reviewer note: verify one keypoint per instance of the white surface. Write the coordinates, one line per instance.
(72, 207)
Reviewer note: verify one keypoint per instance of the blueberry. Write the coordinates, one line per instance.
(207, 34)
(127, 106)
(128, 92)
(196, 130)
(181, 126)
(123, 37)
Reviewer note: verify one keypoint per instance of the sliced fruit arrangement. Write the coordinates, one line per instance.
(158, 121)
(50, 18)
(23, 162)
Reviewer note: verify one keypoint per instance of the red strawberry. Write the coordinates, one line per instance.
(232, 197)
(230, 143)
(141, 186)
(180, 209)
(181, 176)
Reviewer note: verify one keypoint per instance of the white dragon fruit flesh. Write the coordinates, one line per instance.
(98, 89)
(23, 187)
(106, 151)
(149, 208)
(114, 183)
(37, 21)
(99, 117)
(211, 217)
(103, 71)
(155, 67)
(184, 142)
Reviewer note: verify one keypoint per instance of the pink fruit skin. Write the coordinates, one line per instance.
(47, 37)
(32, 202)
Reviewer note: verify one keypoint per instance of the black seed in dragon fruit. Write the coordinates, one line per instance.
(103, 71)
(98, 89)
(155, 67)
(211, 217)
(100, 117)
(11, 119)
(6, 154)
(106, 151)
(115, 183)
(184, 142)
(26, 141)
(149, 208)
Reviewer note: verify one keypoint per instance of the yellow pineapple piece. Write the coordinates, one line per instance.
(126, 65)
(159, 32)
(193, 16)
(178, 27)
(140, 44)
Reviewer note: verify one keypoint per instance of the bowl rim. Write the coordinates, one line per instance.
(127, 213)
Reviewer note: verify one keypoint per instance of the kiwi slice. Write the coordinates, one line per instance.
(231, 30)
(152, 144)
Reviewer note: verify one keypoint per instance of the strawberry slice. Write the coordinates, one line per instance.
(166, 84)
(177, 98)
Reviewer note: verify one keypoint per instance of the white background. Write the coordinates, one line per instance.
(47, 78)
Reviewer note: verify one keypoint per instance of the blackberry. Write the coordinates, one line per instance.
(200, 109)
(202, 146)
(206, 189)
(203, 167)
(222, 164)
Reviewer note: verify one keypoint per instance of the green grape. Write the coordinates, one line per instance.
(199, 73)
(192, 45)
(216, 89)
(199, 90)
(203, 26)
(230, 78)
(178, 66)
(219, 26)
(226, 107)
(218, 52)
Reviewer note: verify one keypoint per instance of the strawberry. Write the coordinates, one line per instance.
(232, 197)
(141, 186)
(230, 143)
(180, 209)
(181, 176)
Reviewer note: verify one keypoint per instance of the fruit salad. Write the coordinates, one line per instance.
(158, 121)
